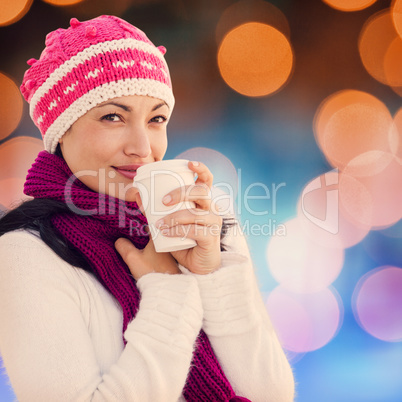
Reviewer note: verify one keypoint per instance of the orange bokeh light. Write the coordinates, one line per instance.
(12, 193)
(16, 157)
(62, 2)
(244, 11)
(398, 127)
(11, 106)
(349, 5)
(255, 59)
(397, 90)
(397, 15)
(349, 123)
(393, 63)
(356, 200)
(380, 49)
(12, 11)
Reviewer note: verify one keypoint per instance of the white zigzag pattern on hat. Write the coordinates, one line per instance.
(147, 64)
(87, 54)
(94, 73)
(123, 64)
(53, 104)
(70, 88)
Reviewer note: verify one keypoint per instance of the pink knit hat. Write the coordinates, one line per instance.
(87, 64)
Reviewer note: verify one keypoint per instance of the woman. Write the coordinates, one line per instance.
(88, 310)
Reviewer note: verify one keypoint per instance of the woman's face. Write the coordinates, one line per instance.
(104, 147)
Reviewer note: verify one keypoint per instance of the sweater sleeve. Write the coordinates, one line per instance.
(46, 346)
(239, 328)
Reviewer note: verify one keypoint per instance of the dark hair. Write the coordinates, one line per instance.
(36, 215)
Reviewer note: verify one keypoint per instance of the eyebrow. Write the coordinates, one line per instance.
(128, 108)
(159, 105)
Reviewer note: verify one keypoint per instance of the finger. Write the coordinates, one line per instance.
(188, 217)
(198, 193)
(128, 252)
(203, 173)
(133, 257)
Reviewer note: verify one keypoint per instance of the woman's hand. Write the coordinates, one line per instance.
(200, 223)
(142, 262)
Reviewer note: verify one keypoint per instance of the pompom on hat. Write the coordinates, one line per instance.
(87, 64)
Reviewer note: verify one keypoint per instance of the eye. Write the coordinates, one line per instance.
(158, 119)
(113, 117)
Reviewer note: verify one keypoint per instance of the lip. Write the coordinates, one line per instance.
(128, 171)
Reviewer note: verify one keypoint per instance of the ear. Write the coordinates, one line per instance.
(65, 133)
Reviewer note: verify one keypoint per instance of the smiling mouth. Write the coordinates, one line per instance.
(127, 173)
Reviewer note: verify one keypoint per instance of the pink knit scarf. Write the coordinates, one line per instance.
(93, 226)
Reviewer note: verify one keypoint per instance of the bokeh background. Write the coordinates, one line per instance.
(296, 108)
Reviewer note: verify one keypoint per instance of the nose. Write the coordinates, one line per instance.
(137, 142)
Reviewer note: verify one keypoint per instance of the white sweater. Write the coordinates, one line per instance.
(61, 331)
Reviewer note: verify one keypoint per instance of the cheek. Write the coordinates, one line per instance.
(94, 154)
(159, 146)
(85, 159)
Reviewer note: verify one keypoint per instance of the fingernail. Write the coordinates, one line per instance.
(195, 163)
(165, 232)
(166, 199)
(159, 223)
